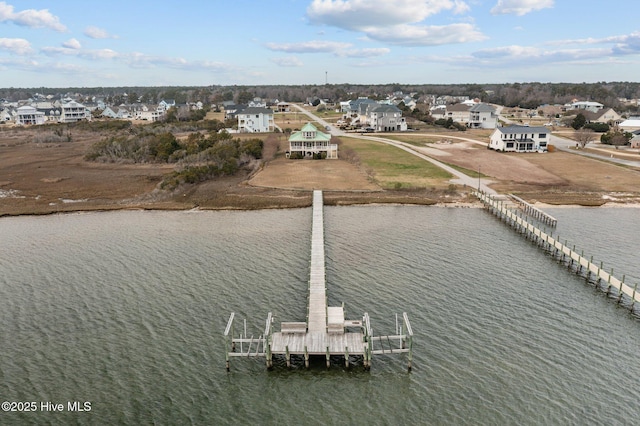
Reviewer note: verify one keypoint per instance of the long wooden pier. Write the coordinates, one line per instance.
(580, 264)
(325, 332)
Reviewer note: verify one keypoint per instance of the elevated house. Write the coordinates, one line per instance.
(73, 111)
(309, 141)
(255, 120)
(283, 107)
(27, 115)
(482, 116)
(471, 114)
(386, 118)
(520, 139)
(150, 113)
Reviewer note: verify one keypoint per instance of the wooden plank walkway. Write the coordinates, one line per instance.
(325, 325)
(326, 332)
(317, 321)
(555, 246)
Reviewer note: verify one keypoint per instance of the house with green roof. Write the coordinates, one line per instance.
(309, 141)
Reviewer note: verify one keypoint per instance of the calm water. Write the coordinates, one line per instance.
(126, 310)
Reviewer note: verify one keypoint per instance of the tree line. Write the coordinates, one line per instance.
(525, 95)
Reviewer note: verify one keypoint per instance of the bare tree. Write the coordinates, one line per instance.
(584, 136)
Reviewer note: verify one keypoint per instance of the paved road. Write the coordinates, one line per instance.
(568, 145)
(560, 143)
(461, 178)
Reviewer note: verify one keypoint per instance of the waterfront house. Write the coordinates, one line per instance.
(520, 139)
(255, 120)
(309, 141)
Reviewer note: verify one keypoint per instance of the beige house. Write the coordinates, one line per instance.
(605, 116)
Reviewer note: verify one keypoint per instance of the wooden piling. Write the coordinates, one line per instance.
(558, 249)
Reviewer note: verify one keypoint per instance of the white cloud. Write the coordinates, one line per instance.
(358, 14)
(413, 35)
(91, 54)
(72, 43)
(30, 18)
(520, 7)
(288, 61)
(95, 32)
(396, 21)
(19, 46)
(364, 53)
(314, 46)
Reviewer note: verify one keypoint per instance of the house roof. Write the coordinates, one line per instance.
(523, 129)
(256, 110)
(482, 108)
(299, 135)
(458, 108)
(385, 108)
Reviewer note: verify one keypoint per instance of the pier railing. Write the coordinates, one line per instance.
(580, 264)
(326, 331)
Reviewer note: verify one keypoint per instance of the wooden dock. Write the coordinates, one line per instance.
(326, 332)
(581, 265)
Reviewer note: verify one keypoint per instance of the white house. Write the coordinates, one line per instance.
(482, 116)
(29, 115)
(255, 119)
(630, 125)
(150, 114)
(520, 139)
(73, 111)
(165, 104)
(386, 118)
(587, 106)
(309, 141)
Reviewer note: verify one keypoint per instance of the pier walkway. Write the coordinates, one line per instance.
(326, 332)
(581, 265)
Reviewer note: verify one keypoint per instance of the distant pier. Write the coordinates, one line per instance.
(325, 332)
(578, 262)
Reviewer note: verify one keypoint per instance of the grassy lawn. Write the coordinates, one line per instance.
(393, 168)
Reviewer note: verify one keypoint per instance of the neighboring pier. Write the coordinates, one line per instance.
(326, 332)
(576, 261)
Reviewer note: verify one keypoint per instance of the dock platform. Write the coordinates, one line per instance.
(326, 332)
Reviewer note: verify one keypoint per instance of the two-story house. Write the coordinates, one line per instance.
(520, 139)
(309, 141)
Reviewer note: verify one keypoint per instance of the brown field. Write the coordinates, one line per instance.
(45, 177)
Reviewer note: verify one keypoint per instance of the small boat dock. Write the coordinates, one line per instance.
(326, 332)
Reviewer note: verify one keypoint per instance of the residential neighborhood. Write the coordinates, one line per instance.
(515, 129)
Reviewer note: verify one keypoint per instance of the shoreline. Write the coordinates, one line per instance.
(275, 206)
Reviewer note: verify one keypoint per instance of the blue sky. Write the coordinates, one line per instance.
(247, 42)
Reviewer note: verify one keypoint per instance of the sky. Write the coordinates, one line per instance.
(312, 42)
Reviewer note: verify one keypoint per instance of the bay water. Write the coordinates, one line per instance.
(126, 311)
